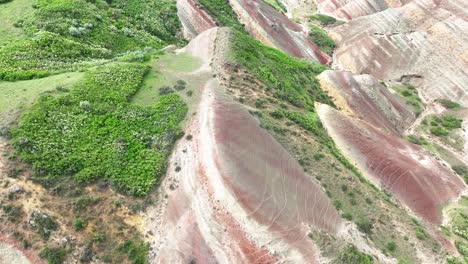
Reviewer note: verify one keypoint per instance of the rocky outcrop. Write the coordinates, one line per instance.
(351, 9)
(423, 42)
(193, 19)
(272, 28)
(407, 172)
(366, 98)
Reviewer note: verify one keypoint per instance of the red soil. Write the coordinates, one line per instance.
(413, 177)
(271, 27)
(368, 99)
(240, 196)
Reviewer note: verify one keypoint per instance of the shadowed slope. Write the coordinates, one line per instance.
(416, 179)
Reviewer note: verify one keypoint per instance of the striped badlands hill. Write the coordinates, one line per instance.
(272, 28)
(366, 98)
(351, 9)
(237, 195)
(193, 19)
(416, 179)
(423, 42)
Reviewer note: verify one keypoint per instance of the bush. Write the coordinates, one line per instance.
(351, 255)
(449, 104)
(180, 85)
(391, 246)
(438, 131)
(321, 39)
(364, 225)
(136, 251)
(292, 79)
(114, 139)
(43, 224)
(53, 255)
(277, 114)
(222, 13)
(79, 225)
(323, 19)
(165, 90)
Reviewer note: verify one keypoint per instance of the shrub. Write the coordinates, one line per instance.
(449, 104)
(323, 19)
(348, 216)
(351, 255)
(438, 131)
(53, 255)
(165, 90)
(318, 156)
(391, 246)
(222, 13)
(180, 85)
(277, 114)
(291, 79)
(364, 225)
(79, 224)
(450, 122)
(321, 39)
(43, 224)
(136, 251)
(421, 233)
(114, 140)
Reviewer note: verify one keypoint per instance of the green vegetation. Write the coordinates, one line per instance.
(136, 251)
(43, 223)
(323, 19)
(65, 35)
(289, 79)
(94, 132)
(364, 225)
(222, 13)
(11, 212)
(391, 246)
(460, 225)
(351, 255)
(416, 140)
(321, 39)
(410, 95)
(79, 224)
(449, 104)
(53, 255)
(276, 5)
(441, 126)
(461, 170)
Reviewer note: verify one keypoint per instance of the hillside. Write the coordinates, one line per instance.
(240, 131)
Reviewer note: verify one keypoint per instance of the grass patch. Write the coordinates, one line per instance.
(66, 35)
(53, 255)
(351, 255)
(136, 250)
(94, 132)
(410, 96)
(323, 19)
(289, 79)
(449, 104)
(222, 13)
(442, 126)
(321, 39)
(276, 5)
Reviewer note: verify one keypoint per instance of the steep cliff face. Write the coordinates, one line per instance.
(423, 42)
